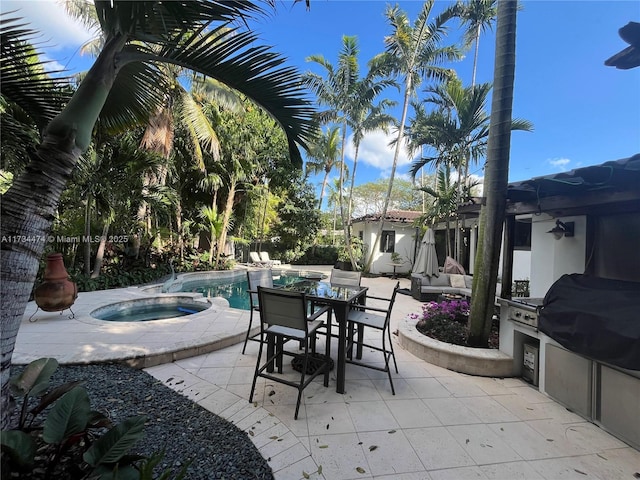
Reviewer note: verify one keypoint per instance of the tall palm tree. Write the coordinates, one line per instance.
(496, 176)
(444, 201)
(121, 88)
(366, 117)
(323, 156)
(350, 101)
(479, 16)
(412, 53)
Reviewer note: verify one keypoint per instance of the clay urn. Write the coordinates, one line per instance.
(56, 292)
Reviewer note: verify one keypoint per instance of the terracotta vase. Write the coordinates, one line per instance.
(56, 292)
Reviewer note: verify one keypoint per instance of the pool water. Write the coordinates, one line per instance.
(148, 309)
(234, 290)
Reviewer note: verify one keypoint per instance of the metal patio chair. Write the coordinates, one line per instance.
(378, 319)
(284, 317)
(256, 278)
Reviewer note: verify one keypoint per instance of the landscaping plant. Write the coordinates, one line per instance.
(58, 435)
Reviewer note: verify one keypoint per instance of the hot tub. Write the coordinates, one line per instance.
(148, 309)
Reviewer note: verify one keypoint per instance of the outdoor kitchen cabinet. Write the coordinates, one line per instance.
(601, 393)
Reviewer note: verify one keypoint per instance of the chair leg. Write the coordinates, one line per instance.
(255, 375)
(387, 354)
(246, 338)
(393, 353)
(302, 375)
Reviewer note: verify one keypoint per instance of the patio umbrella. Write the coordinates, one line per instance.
(427, 260)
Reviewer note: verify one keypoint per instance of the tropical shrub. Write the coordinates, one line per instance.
(445, 321)
(57, 435)
(448, 321)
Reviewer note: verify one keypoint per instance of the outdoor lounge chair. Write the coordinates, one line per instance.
(256, 261)
(264, 256)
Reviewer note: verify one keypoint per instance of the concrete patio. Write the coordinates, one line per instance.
(439, 425)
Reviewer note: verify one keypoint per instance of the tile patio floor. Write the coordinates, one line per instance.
(440, 425)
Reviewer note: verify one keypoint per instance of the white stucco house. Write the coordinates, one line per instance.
(399, 235)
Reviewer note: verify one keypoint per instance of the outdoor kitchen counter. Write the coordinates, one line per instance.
(604, 394)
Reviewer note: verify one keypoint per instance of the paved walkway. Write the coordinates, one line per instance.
(439, 425)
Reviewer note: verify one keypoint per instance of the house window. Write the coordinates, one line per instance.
(522, 236)
(361, 235)
(388, 241)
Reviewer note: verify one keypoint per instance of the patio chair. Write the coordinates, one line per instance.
(256, 278)
(256, 261)
(378, 319)
(264, 256)
(283, 317)
(345, 278)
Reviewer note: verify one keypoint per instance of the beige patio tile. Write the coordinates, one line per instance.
(412, 413)
(488, 410)
(340, 456)
(437, 448)
(371, 416)
(462, 473)
(451, 411)
(329, 418)
(510, 471)
(428, 388)
(482, 444)
(389, 452)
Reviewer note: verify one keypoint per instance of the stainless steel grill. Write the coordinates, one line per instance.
(524, 310)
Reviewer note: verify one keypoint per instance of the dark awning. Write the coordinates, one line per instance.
(610, 182)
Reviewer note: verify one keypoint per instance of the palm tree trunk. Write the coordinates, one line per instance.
(475, 54)
(97, 264)
(87, 234)
(353, 178)
(324, 185)
(225, 219)
(496, 177)
(396, 155)
(28, 207)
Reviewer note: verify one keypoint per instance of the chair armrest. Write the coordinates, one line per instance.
(317, 313)
(374, 309)
(378, 298)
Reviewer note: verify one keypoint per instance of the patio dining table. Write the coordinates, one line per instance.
(340, 298)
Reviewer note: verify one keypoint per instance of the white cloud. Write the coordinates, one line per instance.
(559, 163)
(376, 152)
(57, 30)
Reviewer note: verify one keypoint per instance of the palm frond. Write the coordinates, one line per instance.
(256, 72)
(24, 81)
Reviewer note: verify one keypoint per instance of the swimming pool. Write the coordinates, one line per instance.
(234, 289)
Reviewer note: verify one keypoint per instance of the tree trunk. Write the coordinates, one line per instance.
(405, 107)
(28, 207)
(97, 264)
(87, 235)
(496, 177)
(225, 219)
(324, 184)
(353, 179)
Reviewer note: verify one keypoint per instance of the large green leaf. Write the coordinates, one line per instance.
(54, 395)
(68, 416)
(112, 446)
(34, 378)
(19, 446)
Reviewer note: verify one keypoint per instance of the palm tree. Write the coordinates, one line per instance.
(350, 100)
(479, 16)
(121, 88)
(365, 117)
(496, 174)
(323, 156)
(413, 53)
(445, 199)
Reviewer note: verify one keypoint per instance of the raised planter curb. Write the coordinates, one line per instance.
(486, 362)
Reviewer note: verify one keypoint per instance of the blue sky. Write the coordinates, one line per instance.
(583, 112)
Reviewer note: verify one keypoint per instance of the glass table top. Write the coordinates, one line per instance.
(325, 290)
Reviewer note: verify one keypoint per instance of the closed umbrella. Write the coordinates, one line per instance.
(427, 260)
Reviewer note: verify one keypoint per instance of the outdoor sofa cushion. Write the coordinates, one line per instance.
(457, 281)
